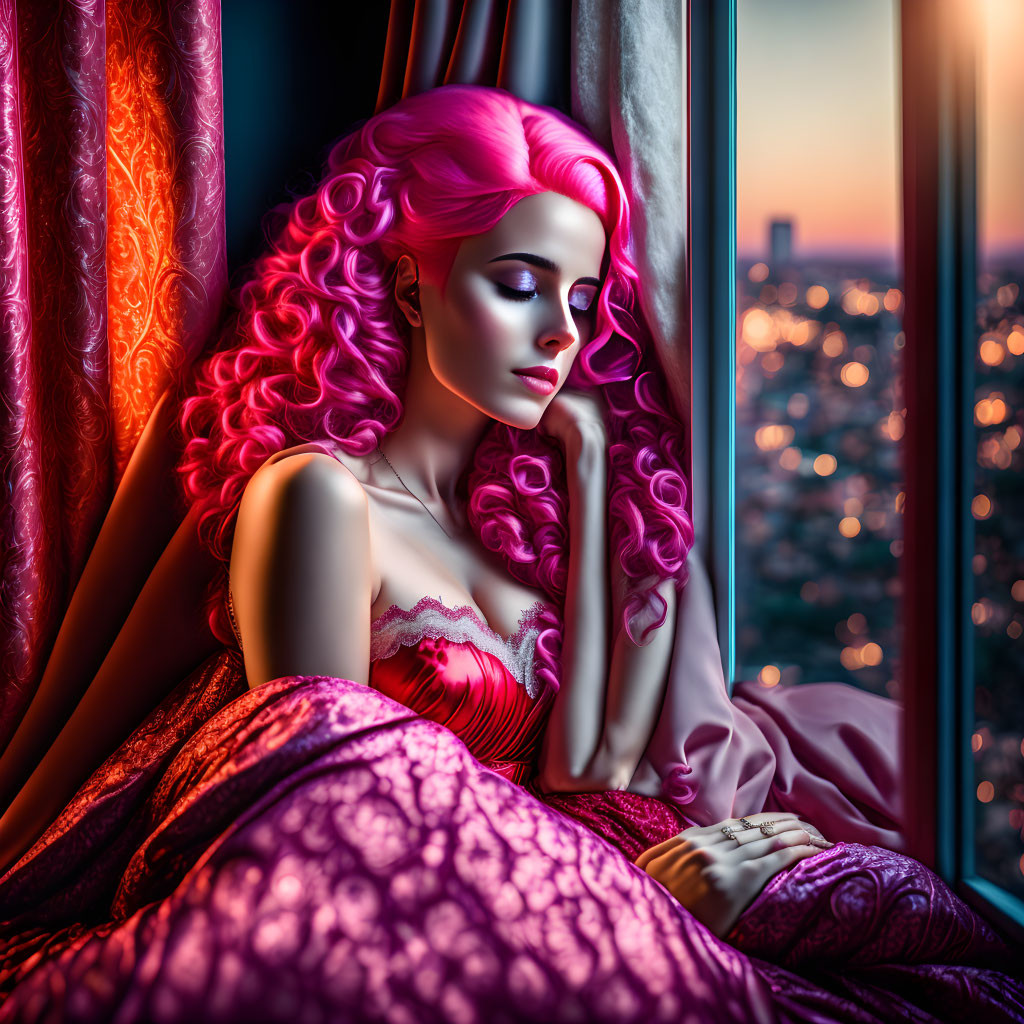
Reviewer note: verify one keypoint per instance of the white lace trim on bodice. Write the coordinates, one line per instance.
(431, 619)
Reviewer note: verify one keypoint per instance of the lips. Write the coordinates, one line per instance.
(548, 373)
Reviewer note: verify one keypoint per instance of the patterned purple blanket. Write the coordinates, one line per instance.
(313, 851)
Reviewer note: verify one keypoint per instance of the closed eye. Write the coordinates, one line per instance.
(581, 296)
(515, 294)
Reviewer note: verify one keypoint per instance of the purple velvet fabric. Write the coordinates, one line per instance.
(314, 851)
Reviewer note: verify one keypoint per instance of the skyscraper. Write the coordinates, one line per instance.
(780, 242)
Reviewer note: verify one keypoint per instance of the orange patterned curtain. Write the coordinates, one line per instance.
(112, 275)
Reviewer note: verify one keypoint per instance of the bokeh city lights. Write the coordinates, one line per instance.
(820, 415)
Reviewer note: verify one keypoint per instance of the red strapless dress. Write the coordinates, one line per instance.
(448, 665)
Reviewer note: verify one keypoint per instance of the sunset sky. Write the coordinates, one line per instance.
(1001, 126)
(818, 124)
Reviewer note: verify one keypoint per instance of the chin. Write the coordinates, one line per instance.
(511, 420)
(523, 414)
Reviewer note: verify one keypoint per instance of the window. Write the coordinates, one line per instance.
(951, 317)
(997, 502)
(820, 413)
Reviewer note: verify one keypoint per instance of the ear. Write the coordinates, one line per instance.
(407, 289)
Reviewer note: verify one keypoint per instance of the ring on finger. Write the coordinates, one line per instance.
(767, 828)
(730, 829)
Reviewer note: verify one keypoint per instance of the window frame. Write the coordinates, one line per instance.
(939, 253)
(711, 289)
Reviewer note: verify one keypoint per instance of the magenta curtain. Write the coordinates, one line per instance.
(112, 275)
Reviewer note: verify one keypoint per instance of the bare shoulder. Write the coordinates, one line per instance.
(310, 466)
(301, 570)
(302, 501)
(305, 475)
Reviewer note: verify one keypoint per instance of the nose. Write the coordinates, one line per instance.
(559, 331)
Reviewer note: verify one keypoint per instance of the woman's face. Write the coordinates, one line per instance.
(518, 305)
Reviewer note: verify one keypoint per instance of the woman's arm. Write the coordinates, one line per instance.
(637, 681)
(301, 572)
(573, 730)
(606, 709)
(636, 684)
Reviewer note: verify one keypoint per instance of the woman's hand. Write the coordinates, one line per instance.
(572, 416)
(717, 877)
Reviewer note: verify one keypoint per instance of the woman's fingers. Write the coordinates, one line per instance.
(656, 851)
(715, 875)
(780, 826)
(780, 821)
(742, 835)
(765, 847)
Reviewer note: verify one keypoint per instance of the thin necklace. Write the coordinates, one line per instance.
(380, 451)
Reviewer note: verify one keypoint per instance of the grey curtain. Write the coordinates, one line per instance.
(518, 45)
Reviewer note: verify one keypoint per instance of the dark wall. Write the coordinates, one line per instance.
(298, 74)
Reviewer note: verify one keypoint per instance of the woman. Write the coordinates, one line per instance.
(401, 490)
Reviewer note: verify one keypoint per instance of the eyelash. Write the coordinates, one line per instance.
(515, 295)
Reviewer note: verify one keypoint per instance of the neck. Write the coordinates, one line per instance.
(439, 432)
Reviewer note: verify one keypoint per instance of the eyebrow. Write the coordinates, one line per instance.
(543, 263)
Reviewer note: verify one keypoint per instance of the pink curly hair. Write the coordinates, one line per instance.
(318, 349)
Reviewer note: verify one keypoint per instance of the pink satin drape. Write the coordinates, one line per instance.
(112, 274)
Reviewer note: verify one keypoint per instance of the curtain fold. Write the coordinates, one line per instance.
(518, 45)
(112, 275)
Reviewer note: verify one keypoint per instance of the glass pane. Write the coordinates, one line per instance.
(998, 501)
(819, 410)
